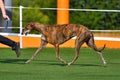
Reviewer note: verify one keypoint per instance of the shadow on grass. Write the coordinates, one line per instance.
(58, 63)
(22, 61)
(88, 64)
(43, 62)
(78, 64)
(16, 61)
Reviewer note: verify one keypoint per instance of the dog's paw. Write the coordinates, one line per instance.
(27, 61)
(105, 63)
(69, 63)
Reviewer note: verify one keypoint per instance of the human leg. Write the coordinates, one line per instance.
(14, 45)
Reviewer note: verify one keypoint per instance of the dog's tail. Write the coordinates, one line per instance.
(102, 48)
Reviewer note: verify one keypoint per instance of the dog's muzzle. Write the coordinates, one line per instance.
(25, 32)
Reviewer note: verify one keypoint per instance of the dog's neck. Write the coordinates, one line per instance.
(39, 27)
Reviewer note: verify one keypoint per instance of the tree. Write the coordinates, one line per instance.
(34, 14)
(96, 20)
(93, 20)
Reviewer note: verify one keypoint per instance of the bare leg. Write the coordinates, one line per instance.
(58, 55)
(43, 43)
(78, 44)
(91, 44)
(101, 56)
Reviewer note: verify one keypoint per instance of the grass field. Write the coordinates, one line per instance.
(46, 67)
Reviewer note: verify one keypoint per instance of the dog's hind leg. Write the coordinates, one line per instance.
(90, 43)
(43, 43)
(78, 43)
(58, 54)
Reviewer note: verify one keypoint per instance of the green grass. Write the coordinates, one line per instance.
(46, 67)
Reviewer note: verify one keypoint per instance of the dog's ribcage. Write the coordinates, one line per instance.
(60, 33)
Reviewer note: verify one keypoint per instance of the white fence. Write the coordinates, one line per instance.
(34, 35)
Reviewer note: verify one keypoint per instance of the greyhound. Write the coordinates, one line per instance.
(58, 34)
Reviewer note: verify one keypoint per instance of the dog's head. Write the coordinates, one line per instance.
(28, 28)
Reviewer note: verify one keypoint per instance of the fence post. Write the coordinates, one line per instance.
(20, 8)
(62, 15)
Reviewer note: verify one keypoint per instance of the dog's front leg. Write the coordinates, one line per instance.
(43, 43)
(58, 55)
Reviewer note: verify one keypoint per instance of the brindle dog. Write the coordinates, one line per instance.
(58, 34)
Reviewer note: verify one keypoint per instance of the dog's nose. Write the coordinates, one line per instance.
(23, 32)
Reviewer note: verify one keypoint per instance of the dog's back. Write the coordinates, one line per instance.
(57, 34)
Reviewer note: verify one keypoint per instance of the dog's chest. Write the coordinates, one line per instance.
(43, 37)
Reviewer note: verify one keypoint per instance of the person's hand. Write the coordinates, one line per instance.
(6, 17)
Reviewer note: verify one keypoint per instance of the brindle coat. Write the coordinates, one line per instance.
(58, 34)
